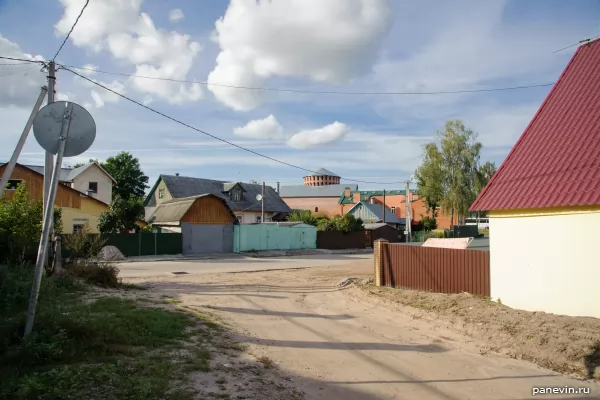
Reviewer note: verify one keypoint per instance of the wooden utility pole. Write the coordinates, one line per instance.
(408, 217)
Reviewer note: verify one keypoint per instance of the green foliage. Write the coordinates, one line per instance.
(21, 226)
(83, 245)
(145, 229)
(429, 223)
(484, 174)
(346, 223)
(450, 174)
(126, 170)
(81, 349)
(122, 215)
(303, 216)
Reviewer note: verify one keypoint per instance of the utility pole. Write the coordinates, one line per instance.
(262, 205)
(383, 206)
(49, 159)
(408, 216)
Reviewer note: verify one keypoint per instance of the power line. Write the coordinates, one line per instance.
(213, 136)
(22, 59)
(16, 64)
(575, 44)
(71, 31)
(271, 89)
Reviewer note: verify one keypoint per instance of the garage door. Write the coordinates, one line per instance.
(202, 239)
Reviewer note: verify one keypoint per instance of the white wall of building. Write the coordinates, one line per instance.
(249, 217)
(547, 262)
(95, 174)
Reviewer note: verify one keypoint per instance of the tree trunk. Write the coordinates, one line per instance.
(452, 218)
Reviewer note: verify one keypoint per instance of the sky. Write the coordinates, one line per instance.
(291, 45)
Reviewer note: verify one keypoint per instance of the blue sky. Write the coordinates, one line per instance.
(338, 45)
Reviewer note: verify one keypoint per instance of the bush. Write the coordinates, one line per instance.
(429, 223)
(306, 217)
(346, 223)
(21, 227)
(104, 275)
(83, 245)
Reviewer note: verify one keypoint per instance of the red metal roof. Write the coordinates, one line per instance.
(556, 161)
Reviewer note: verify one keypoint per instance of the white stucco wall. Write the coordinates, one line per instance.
(547, 262)
(95, 174)
(249, 217)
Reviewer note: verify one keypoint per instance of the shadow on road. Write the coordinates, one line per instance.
(250, 311)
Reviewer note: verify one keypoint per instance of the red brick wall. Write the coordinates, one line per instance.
(326, 205)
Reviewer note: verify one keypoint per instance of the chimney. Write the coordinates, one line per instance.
(277, 187)
(347, 192)
(372, 200)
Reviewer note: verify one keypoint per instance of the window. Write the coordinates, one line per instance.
(13, 183)
(93, 187)
(78, 228)
(258, 219)
(316, 209)
(161, 193)
(394, 210)
(236, 195)
(240, 218)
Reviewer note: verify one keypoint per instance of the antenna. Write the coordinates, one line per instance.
(66, 130)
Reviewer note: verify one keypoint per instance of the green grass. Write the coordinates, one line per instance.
(108, 348)
(199, 361)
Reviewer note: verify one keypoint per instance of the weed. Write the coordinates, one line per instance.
(200, 361)
(104, 275)
(172, 301)
(266, 362)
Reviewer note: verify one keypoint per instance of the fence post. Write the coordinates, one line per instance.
(378, 259)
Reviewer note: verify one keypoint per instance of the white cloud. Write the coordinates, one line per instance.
(131, 36)
(99, 95)
(176, 15)
(332, 41)
(318, 137)
(267, 128)
(20, 83)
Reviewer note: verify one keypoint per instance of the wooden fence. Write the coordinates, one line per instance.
(333, 240)
(432, 269)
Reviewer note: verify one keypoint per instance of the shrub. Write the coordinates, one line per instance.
(83, 245)
(21, 226)
(346, 223)
(104, 275)
(429, 223)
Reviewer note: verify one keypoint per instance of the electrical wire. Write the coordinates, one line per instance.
(213, 136)
(71, 31)
(11, 64)
(22, 59)
(271, 89)
(575, 44)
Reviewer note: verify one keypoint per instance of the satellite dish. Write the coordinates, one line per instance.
(48, 126)
(259, 197)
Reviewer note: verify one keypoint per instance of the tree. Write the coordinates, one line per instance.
(484, 174)
(126, 170)
(90, 161)
(21, 226)
(346, 223)
(122, 216)
(449, 174)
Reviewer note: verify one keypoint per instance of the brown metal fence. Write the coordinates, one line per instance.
(333, 240)
(435, 269)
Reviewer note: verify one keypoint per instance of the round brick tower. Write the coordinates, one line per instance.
(321, 177)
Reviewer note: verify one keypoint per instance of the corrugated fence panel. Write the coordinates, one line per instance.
(169, 243)
(436, 270)
(261, 237)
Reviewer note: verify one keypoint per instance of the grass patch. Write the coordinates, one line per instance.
(199, 361)
(266, 362)
(109, 348)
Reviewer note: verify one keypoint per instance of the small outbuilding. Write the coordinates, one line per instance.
(205, 222)
(382, 231)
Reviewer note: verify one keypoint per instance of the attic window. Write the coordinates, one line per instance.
(13, 184)
(236, 195)
(93, 187)
(161, 193)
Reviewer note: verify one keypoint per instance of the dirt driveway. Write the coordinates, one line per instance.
(338, 346)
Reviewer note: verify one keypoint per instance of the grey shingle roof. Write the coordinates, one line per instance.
(183, 186)
(64, 172)
(377, 211)
(322, 172)
(371, 227)
(315, 191)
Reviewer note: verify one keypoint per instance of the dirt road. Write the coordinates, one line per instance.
(339, 346)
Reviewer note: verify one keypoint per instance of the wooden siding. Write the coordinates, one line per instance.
(34, 182)
(364, 213)
(435, 269)
(208, 210)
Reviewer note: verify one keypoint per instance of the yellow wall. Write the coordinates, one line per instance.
(166, 196)
(88, 214)
(546, 259)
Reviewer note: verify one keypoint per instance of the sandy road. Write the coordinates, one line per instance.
(340, 346)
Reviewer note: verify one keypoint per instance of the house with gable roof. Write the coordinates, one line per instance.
(544, 201)
(239, 197)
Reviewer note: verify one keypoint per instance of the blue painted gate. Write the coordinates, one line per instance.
(274, 236)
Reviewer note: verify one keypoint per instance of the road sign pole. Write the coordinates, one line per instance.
(44, 239)
(49, 158)
(15, 156)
